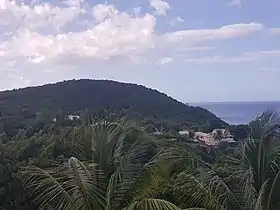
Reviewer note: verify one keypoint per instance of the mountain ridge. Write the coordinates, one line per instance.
(130, 99)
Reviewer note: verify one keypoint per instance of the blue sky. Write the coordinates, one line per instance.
(192, 50)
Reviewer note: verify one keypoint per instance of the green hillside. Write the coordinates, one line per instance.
(76, 96)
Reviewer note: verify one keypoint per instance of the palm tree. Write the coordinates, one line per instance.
(110, 170)
(249, 180)
(194, 183)
(258, 165)
(117, 166)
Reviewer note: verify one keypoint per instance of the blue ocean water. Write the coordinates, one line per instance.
(240, 112)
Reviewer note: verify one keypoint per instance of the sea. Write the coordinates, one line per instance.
(239, 112)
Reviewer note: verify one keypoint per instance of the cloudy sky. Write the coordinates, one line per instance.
(193, 50)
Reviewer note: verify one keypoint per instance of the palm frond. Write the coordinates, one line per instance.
(266, 127)
(72, 186)
(113, 183)
(129, 173)
(84, 185)
(260, 203)
(206, 189)
(152, 204)
(45, 189)
(194, 209)
(181, 155)
(153, 182)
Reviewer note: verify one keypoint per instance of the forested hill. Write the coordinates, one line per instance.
(73, 96)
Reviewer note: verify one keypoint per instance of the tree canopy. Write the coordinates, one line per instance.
(121, 167)
(19, 107)
(105, 161)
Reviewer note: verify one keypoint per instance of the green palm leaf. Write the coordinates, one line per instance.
(73, 186)
(152, 204)
(46, 190)
(84, 184)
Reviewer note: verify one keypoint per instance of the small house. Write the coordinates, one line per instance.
(157, 133)
(184, 133)
(73, 117)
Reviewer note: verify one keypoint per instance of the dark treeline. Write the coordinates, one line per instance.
(93, 96)
(110, 160)
(112, 163)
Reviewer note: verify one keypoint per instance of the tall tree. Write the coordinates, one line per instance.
(114, 163)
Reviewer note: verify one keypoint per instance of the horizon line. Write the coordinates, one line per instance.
(234, 101)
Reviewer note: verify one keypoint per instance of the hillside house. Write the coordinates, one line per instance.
(184, 133)
(215, 137)
(73, 117)
(157, 133)
(206, 138)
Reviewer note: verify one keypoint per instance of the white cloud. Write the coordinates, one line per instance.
(101, 12)
(235, 3)
(15, 15)
(43, 37)
(165, 61)
(161, 7)
(119, 35)
(225, 32)
(245, 57)
(179, 19)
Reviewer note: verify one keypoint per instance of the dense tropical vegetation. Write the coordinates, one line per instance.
(112, 163)
(105, 161)
(19, 108)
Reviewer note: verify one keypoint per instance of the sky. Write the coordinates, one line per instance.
(192, 50)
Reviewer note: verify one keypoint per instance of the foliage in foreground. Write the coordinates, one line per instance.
(113, 164)
(121, 167)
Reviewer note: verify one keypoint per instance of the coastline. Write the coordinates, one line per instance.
(239, 112)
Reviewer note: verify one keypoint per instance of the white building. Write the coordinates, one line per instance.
(206, 138)
(157, 133)
(210, 140)
(73, 117)
(184, 133)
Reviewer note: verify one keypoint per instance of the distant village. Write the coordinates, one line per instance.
(69, 117)
(214, 138)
